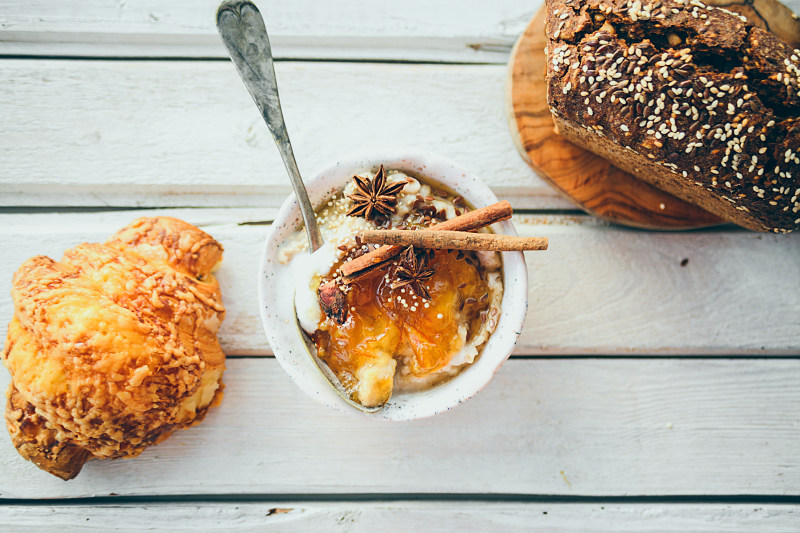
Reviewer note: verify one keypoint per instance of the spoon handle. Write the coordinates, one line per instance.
(243, 32)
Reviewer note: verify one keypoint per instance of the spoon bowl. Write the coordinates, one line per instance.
(326, 372)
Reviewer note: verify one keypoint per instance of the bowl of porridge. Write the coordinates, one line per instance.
(403, 332)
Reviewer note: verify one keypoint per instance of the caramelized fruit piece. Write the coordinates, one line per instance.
(384, 323)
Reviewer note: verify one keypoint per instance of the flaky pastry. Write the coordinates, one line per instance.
(114, 347)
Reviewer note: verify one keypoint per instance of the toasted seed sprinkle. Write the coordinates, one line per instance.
(663, 95)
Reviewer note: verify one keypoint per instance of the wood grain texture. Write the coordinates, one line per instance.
(565, 427)
(147, 133)
(598, 289)
(411, 30)
(592, 182)
(430, 517)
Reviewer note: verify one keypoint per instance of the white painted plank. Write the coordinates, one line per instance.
(600, 427)
(445, 30)
(430, 517)
(147, 133)
(599, 289)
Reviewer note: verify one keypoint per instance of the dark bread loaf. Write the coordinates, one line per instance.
(690, 98)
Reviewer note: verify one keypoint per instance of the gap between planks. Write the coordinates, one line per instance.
(385, 497)
(225, 59)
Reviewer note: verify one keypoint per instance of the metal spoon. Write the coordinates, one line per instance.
(242, 29)
(244, 34)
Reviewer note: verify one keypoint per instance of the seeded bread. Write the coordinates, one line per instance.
(690, 98)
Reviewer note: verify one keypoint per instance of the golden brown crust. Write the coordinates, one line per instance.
(181, 245)
(35, 442)
(115, 345)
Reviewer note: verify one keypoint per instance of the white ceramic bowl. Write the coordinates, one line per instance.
(276, 290)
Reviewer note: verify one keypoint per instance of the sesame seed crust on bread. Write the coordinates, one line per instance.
(690, 98)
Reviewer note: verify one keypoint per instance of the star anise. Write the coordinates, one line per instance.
(374, 197)
(413, 272)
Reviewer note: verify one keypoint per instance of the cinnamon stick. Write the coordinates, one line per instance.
(472, 220)
(454, 240)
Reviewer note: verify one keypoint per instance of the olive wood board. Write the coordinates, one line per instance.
(591, 182)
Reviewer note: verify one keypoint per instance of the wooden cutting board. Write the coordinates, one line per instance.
(590, 181)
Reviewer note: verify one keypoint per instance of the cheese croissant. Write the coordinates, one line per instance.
(114, 347)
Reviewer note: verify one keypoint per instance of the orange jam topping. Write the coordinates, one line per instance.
(386, 327)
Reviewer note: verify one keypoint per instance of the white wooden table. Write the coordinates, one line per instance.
(656, 386)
